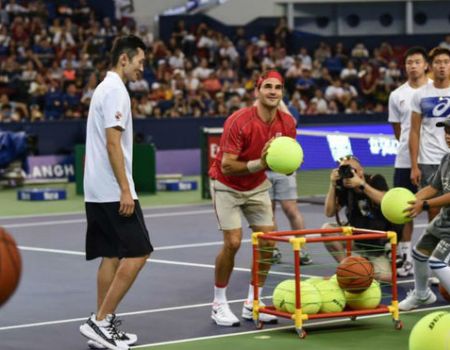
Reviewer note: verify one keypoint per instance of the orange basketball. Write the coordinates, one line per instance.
(354, 274)
(10, 266)
(444, 293)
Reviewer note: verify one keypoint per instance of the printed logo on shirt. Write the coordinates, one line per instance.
(435, 107)
(118, 115)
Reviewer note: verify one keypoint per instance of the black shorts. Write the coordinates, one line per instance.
(402, 178)
(114, 236)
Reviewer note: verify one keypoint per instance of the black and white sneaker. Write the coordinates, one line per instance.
(127, 338)
(103, 332)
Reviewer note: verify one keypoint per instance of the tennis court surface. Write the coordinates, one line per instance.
(169, 305)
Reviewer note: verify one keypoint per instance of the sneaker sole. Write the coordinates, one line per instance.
(85, 330)
(225, 324)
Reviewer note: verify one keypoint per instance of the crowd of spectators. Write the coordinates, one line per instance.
(51, 60)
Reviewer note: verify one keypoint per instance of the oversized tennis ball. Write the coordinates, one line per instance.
(369, 299)
(431, 332)
(310, 298)
(394, 202)
(314, 280)
(284, 155)
(333, 298)
(278, 297)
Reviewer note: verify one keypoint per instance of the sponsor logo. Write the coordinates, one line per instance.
(118, 115)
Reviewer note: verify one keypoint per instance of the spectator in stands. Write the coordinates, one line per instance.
(305, 85)
(71, 102)
(446, 42)
(353, 107)
(360, 51)
(320, 103)
(53, 101)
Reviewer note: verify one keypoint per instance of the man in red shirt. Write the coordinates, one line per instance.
(239, 185)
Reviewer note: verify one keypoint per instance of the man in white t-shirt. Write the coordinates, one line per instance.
(400, 116)
(429, 105)
(116, 229)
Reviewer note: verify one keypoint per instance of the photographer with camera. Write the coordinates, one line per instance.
(361, 196)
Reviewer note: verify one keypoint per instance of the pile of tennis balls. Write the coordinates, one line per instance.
(320, 295)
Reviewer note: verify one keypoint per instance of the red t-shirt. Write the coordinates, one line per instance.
(245, 134)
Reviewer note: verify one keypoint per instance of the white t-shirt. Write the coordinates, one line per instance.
(434, 106)
(110, 107)
(400, 112)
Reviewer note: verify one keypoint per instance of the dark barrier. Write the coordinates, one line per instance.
(60, 137)
(144, 168)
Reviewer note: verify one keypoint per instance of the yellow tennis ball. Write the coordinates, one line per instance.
(333, 298)
(369, 299)
(284, 155)
(314, 280)
(394, 202)
(278, 297)
(310, 298)
(431, 332)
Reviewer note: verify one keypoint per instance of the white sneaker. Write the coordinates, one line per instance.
(223, 316)
(247, 313)
(103, 332)
(127, 338)
(406, 269)
(412, 301)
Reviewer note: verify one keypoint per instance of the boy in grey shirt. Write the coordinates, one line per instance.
(433, 248)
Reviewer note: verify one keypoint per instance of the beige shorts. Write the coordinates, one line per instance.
(229, 203)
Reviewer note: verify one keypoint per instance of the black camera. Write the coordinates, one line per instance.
(345, 171)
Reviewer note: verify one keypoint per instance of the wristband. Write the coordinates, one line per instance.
(255, 165)
(425, 205)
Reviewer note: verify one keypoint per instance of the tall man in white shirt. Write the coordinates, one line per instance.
(429, 105)
(116, 230)
(400, 116)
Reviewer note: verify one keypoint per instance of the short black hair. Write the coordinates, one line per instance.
(438, 51)
(416, 50)
(128, 44)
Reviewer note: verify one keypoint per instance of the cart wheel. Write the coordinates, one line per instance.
(352, 318)
(398, 324)
(301, 333)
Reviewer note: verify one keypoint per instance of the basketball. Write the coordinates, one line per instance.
(355, 274)
(284, 155)
(444, 293)
(10, 266)
(394, 202)
(431, 332)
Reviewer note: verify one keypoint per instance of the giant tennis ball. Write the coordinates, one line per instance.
(278, 297)
(310, 298)
(284, 155)
(369, 299)
(333, 298)
(394, 202)
(431, 332)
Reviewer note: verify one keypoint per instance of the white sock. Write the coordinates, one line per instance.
(421, 273)
(251, 290)
(443, 273)
(220, 295)
(405, 250)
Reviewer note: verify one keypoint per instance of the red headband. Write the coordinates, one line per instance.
(268, 75)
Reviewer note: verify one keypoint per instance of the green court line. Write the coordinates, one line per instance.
(372, 333)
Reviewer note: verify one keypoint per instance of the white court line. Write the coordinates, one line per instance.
(307, 324)
(168, 206)
(77, 221)
(159, 261)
